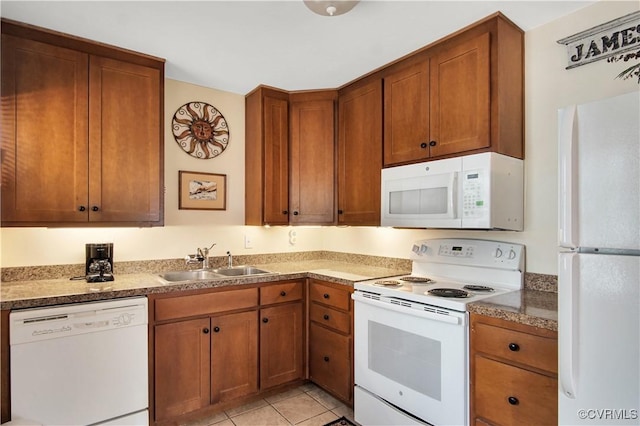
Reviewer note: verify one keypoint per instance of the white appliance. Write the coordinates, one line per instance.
(81, 364)
(480, 191)
(411, 346)
(599, 262)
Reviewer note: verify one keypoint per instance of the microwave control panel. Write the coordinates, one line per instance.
(474, 202)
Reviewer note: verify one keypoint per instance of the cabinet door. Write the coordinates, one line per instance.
(330, 361)
(312, 162)
(276, 161)
(406, 114)
(125, 142)
(234, 356)
(182, 374)
(44, 132)
(460, 97)
(281, 348)
(360, 154)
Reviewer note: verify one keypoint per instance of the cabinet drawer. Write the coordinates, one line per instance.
(202, 304)
(337, 320)
(508, 395)
(329, 296)
(278, 293)
(330, 361)
(535, 351)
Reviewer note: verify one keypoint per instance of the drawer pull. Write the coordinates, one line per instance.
(514, 347)
(216, 329)
(283, 293)
(326, 317)
(326, 295)
(205, 330)
(265, 320)
(326, 359)
(513, 400)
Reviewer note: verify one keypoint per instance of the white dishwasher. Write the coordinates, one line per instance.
(81, 364)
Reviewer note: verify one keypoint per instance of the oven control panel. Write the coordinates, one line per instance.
(470, 252)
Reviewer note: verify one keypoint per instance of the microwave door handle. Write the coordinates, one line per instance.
(453, 195)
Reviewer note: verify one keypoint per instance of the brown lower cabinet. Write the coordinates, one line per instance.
(215, 346)
(513, 373)
(331, 338)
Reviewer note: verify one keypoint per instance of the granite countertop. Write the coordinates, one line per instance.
(47, 292)
(529, 307)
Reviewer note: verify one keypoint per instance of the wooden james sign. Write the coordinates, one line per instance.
(603, 41)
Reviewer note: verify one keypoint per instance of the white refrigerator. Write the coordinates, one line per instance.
(599, 262)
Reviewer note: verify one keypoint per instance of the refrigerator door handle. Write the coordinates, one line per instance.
(567, 177)
(568, 275)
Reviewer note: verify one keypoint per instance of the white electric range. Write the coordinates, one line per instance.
(412, 331)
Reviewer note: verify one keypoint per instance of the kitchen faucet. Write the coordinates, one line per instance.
(202, 255)
(229, 260)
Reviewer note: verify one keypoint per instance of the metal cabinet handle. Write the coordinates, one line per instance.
(513, 400)
(82, 208)
(216, 329)
(423, 145)
(283, 293)
(326, 317)
(95, 208)
(340, 211)
(326, 359)
(295, 213)
(285, 211)
(514, 347)
(433, 143)
(326, 295)
(265, 320)
(205, 330)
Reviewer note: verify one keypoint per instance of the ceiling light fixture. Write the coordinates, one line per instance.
(330, 7)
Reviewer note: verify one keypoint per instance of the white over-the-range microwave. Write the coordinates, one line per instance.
(480, 191)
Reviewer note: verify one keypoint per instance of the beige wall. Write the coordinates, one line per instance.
(548, 87)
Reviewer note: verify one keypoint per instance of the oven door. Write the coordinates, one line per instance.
(412, 356)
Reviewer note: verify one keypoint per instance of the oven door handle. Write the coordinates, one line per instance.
(359, 298)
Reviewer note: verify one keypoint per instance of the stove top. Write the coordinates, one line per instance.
(451, 273)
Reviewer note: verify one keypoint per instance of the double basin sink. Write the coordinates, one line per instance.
(211, 274)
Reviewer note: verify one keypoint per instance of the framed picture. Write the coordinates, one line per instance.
(202, 191)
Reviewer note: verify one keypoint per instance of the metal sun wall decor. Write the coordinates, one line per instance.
(200, 130)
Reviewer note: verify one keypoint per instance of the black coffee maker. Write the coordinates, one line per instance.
(99, 262)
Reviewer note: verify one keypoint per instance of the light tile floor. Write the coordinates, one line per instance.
(306, 405)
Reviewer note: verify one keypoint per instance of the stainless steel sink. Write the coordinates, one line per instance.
(211, 274)
(236, 271)
(199, 274)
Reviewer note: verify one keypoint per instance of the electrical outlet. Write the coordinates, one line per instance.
(248, 243)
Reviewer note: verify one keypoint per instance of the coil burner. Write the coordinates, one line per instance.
(413, 279)
(449, 292)
(388, 283)
(474, 287)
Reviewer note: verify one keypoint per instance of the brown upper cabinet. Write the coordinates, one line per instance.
(312, 157)
(359, 154)
(82, 136)
(267, 157)
(290, 157)
(461, 95)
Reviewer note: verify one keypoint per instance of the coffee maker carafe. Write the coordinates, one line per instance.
(99, 266)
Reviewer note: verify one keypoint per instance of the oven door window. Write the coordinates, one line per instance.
(387, 345)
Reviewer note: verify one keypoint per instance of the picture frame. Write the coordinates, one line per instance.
(202, 191)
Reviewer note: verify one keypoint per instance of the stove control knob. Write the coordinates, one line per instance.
(498, 253)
